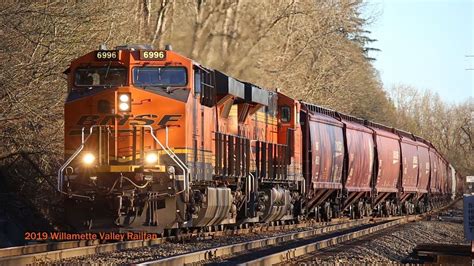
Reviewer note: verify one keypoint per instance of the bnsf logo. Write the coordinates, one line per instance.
(138, 120)
(147, 119)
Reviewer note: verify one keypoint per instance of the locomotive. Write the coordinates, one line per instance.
(156, 141)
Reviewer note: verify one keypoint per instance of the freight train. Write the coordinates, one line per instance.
(155, 141)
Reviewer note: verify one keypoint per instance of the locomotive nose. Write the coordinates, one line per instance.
(129, 128)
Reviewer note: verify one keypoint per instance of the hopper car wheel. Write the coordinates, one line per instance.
(360, 210)
(335, 211)
(327, 212)
(418, 207)
(404, 209)
(352, 212)
(393, 209)
(383, 209)
(368, 209)
(317, 215)
(387, 209)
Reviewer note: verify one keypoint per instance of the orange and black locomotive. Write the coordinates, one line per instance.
(154, 141)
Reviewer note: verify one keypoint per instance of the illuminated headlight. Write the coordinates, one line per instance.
(124, 98)
(88, 158)
(124, 102)
(124, 107)
(151, 158)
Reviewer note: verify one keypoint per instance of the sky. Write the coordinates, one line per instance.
(424, 44)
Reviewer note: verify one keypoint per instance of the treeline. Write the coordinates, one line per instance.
(450, 127)
(311, 50)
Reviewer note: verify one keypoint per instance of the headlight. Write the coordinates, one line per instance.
(151, 158)
(124, 98)
(124, 102)
(88, 158)
(124, 106)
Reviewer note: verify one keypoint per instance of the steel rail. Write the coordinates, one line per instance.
(51, 246)
(52, 256)
(49, 252)
(254, 246)
(54, 251)
(292, 253)
(45, 247)
(227, 250)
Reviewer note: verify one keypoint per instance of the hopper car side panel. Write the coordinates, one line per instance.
(423, 168)
(360, 150)
(444, 176)
(327, 151)
(450, 183)
(434, 169)
(441, 175)
(409, 165)
(388, 155)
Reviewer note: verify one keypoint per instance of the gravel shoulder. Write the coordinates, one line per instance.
(394, 245)
(389, 246)
(167, 249)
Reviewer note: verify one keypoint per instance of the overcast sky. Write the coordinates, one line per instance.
(424, 43)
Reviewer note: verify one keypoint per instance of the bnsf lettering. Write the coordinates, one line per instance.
(168, 118)
(139, 120)
(88, 120)
(143, 121)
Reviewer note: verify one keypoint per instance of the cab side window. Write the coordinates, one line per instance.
(197, 81)
(204, 86)
(285, 114)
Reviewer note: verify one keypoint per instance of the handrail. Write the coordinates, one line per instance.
(250, 187)
(172, 152)
(173, 156)
(71, 158)
(84, 139)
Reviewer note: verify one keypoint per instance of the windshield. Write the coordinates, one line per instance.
(101, 76)
(159, 76)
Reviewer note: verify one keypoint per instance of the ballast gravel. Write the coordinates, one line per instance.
(167, 249)
(389, 246)
(393, 246)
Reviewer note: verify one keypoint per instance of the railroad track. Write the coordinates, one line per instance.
(53, 251)
(288, 247)
(308, 237)
(279, 248)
